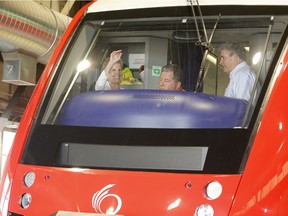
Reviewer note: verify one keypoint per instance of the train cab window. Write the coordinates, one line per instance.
(160, 41)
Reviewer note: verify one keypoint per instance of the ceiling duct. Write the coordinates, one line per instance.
(31, 28)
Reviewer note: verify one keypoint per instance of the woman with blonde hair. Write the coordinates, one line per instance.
(111, 76)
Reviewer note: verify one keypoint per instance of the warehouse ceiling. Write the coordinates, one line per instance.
(17, 42)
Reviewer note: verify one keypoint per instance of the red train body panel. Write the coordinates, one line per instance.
(265, 177)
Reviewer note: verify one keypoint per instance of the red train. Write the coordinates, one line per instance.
(143, 151)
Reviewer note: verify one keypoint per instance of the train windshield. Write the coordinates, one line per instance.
(139, 124)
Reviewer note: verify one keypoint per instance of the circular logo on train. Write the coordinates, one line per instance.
(105, 202)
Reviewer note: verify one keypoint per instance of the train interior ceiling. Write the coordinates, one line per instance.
(159, 41)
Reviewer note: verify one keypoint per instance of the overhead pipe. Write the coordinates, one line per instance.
(30, 27)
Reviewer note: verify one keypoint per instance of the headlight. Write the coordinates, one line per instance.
(204, 210)
(25, 200)
(29, 179)
(213, 190)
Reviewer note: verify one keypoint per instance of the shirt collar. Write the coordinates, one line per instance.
(235, 69)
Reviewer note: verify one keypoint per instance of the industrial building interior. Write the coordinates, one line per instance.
(29, 32)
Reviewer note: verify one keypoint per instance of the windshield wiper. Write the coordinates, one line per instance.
(205, 44)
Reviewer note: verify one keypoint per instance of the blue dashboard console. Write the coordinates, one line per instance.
(152, 109)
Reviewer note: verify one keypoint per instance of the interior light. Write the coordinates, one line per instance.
(213, 190)
(256, 58)
(29, 179)
(204, 210)
(83, 65)
(212, 59)
(25, 200)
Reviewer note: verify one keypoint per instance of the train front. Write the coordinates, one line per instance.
(137, 150)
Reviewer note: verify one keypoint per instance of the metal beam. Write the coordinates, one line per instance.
(69, 4)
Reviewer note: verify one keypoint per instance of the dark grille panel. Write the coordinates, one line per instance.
(154, 96)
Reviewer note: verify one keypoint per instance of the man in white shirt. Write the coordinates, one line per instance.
(241, 76)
